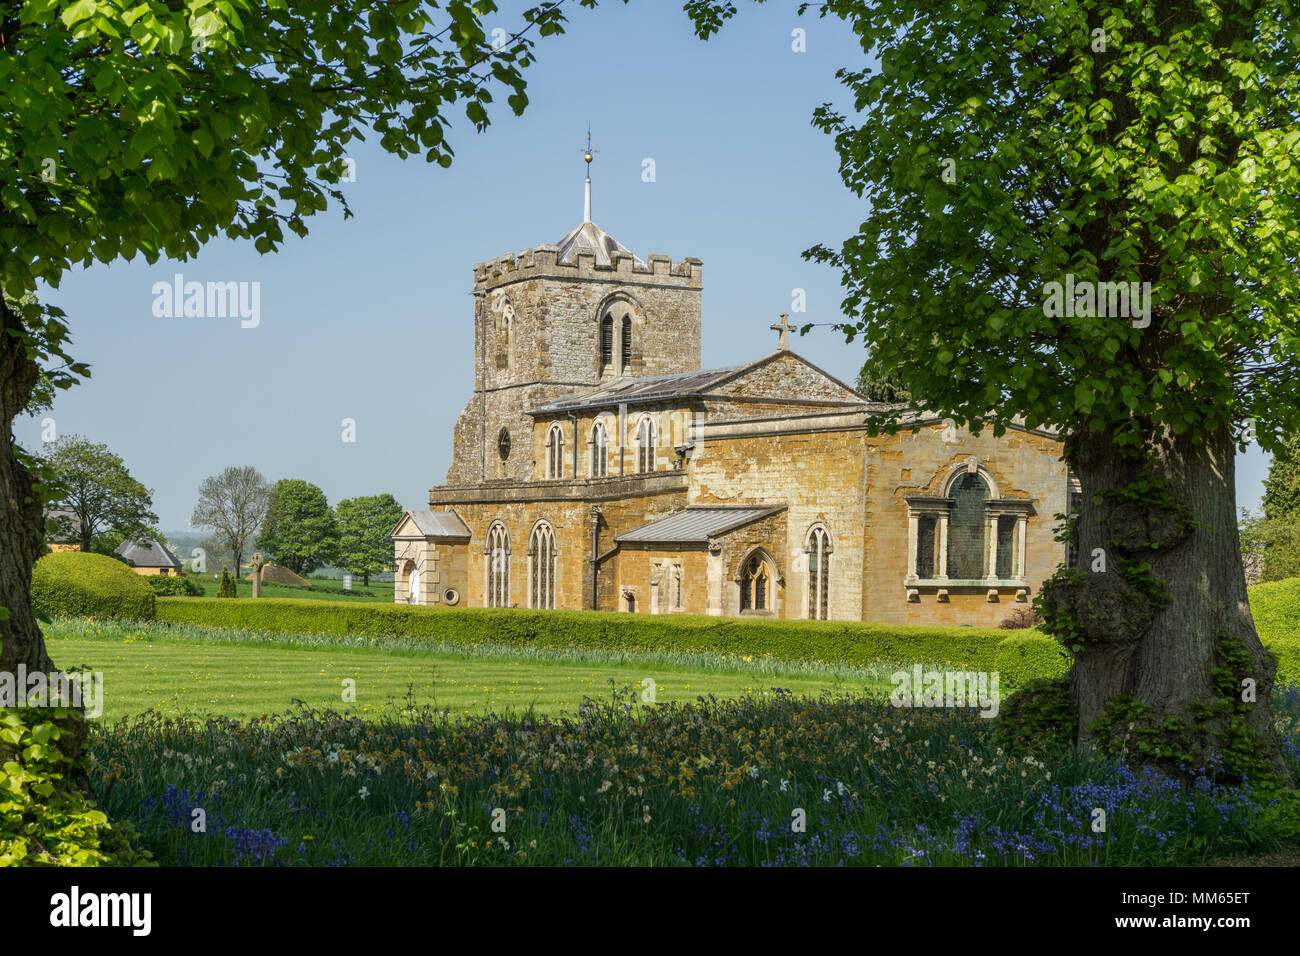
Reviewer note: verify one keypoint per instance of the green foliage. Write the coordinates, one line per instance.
(300, 530)
(877, 386)
(173, 585)
(1282, 486)
(363, 526)
(96, 485)
(1039, 719)
(1062, 153)
(44, 821)
(1274, 543)
(1021, 659)
(76, 584)
(850, 642)
(226, 589)
(233, 504)
(1276, 609)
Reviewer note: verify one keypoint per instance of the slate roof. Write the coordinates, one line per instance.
(696, 525)
(147, 554)
(437, 524)
(661, 388)
(589, 237)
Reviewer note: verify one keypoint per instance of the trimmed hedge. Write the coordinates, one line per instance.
(173, 586)
(828, 641)
(1276, 609)
(76, 584)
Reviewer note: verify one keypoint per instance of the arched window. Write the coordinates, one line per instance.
(498, 566)
(606, 343)
(756, 584)
(645, 445)
(967, 531)
(505, 334)
(818, 547)
(625, 343)
(541, 567)
(555, 452)
(599, 451)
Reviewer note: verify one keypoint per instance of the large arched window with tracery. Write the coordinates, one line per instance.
(818, 547)
(756, 583)
(541, 567)
(498, 566)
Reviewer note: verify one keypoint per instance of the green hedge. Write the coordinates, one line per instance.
(76, 584)
(173, 585)
(1276, 608)
(828, 641)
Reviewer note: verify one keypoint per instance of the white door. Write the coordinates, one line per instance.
(413, 587)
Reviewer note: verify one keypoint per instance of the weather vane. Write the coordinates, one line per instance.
(589, 152)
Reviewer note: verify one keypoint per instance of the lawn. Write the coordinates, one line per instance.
(326, 589)
(202, 671)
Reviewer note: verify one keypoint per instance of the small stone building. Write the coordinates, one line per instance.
(597, 466)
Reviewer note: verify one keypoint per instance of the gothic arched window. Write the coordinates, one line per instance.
(625, 344)
(498, 566)
(756, 584)
(606, 343)
(599, 451)
(555, 452)
(645, 445)
(818, 547)
(541, 567)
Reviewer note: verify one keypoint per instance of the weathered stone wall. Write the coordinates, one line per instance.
(633, 566)
(786, 375)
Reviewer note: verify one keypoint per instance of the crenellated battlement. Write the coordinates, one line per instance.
(542, 261)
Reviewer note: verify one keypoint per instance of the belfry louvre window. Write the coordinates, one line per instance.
(555, 452)
(755, 585)
(599, 451)
(967, 533)
(606, 343)
(498, 566)
(645, 445)
(625, 343)
(541, 567)
(819, 574)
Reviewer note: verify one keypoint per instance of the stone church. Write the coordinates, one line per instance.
(596, 465)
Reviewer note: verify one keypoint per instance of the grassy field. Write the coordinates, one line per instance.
(327, 589)
(200, 671)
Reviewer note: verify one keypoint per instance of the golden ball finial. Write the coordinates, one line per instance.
(588, 157)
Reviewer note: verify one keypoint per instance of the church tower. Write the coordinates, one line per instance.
(556, 320)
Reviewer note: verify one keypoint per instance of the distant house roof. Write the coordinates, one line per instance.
(696, 525)
(434, 524)
(660, 388)
(147, 554)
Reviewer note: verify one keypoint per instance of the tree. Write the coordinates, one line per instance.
(299, 531)
(1282, 486)
(1094, 225)
(94, 484)
(876, 386)
(232, 504)
(1270, 547)
(229, 119)
(364, 526)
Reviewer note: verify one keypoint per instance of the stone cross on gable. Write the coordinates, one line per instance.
(785, 328)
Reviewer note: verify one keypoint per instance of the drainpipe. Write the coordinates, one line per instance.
(595, 554)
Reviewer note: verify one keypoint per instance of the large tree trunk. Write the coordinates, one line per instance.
(1167, 657)
(21, 513)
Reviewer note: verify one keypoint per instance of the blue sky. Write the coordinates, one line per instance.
(372, 320)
